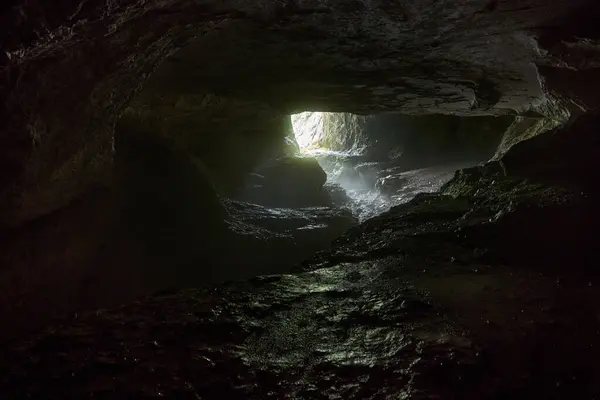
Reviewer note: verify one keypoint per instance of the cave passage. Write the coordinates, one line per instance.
(375, 162)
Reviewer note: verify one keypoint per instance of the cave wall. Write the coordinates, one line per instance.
(415, 141)
(345, 132)
(160, 224)
(71, 260)
(564, 156)
(524, 128)
(229, 136)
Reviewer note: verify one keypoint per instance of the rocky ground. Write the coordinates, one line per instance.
(462, 294)
(271, 240)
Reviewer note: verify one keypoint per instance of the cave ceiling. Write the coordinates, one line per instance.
(418, 57)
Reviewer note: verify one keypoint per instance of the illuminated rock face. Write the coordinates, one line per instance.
(383, 137)
(308, 129)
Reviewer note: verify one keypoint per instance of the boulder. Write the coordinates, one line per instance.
(390, 184)
(339, 196)
(161, 225)
(370, 171)
(289, 182)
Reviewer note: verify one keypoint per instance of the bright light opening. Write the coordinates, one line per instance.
(308, 129)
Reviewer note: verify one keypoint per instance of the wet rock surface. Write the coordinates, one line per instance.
(447, 296)
(284, 234)
(390, 183)
(400, 185)
(281, 219)
(371, 188)
(498, 218)
(317, 335)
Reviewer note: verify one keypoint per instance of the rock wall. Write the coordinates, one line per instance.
(564, 156)
(158, 225)
(288, 182)
(308, 128)
(415, 141)
(524, 128)
(346, 132)
(230, 136)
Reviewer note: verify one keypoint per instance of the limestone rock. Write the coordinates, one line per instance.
(481, 211)
(161, 225)
(414, 141)
(339, 197)
(564, 156)
(345, 132)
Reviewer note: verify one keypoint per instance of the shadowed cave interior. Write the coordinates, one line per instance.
(334, 199)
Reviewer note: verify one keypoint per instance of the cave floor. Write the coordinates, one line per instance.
(365, 330)
(433, 300)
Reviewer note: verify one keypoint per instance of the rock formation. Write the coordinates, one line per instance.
(290, 181)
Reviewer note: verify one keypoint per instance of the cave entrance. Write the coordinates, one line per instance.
(309, 130)
(382, 160)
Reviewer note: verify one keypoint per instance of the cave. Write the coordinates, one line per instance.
(299, 199)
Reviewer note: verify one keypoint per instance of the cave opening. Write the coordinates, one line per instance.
(374, 162)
